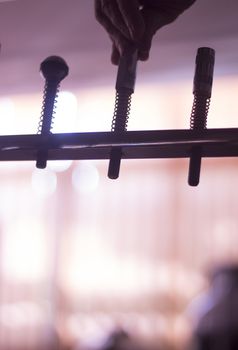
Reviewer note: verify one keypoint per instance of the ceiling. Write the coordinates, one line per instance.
(31, 30)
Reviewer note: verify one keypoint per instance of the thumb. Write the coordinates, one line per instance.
(115, 55)
(154, 20)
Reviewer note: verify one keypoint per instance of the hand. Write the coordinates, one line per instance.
(134, 22)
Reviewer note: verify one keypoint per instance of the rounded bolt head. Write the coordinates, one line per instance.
(54, 68)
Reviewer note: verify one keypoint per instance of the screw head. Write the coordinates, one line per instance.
(54, 68)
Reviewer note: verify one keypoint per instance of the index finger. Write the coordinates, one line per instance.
(130, 10)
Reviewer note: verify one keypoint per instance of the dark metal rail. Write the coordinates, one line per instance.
(134, 144)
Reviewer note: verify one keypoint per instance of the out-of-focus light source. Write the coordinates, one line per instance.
(24, 256)
(21, 314)
(7, 116)
(66, 113)
(44, 182)
(85, 177)
(59, 166)
(95, 110)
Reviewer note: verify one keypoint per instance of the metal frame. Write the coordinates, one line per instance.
(134, 144)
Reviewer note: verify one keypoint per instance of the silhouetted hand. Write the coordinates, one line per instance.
(134, 22)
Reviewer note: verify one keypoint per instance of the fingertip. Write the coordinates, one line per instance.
(133, 18)
(114, 61)
(143, 55)
(145, 46)
(115, 56)
(137, 32)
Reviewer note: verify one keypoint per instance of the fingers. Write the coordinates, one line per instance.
(111, 10)
(119, 40)
(115, 56)
(102, 18)
(123, 21)
(122, 16)
(132, 17)
(134, 22)
(156, 17)
(154, 20)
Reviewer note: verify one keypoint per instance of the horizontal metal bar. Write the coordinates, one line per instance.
(135, 144)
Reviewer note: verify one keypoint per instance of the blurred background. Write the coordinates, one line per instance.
(82, 256)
